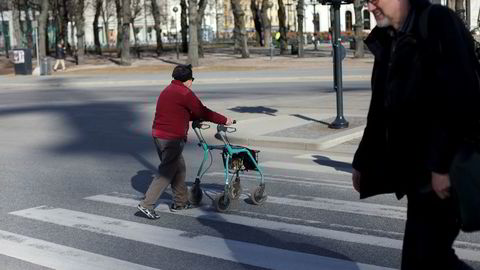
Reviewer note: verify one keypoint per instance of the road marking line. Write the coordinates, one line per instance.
(236, 251)
(207, 212)
(317, 182)
(56, 256)
(305, 167)
(326, 157)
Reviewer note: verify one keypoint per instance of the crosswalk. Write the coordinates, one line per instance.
(251, 254)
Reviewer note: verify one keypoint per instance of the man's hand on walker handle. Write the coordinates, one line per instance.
(230, 121)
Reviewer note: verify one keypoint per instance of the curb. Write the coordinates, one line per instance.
(322, 143)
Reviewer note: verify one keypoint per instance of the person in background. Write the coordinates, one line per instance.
(60, 56)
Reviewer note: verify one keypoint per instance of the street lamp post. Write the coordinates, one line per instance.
(144, 20)
(175, 9)
(340, 121)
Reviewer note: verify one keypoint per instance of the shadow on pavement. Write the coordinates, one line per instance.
(337, 165)
(310, 119)
(255, 109)
(260, 238)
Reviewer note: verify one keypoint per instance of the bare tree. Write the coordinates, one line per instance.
(17, 32)
(358, 27)
(240, 33)
(257, 21)
(125, 60)
(78, 8)
(300, 15)
(27, 29)
(202, 5)
(267, 25)
(3, 6)
(184, 25)
(158, 29)
(460, 9)
(119, 9)
(136, 9)
(193, 42)
(42, 27)
(282, 27)
(107, 13)
(96, 35)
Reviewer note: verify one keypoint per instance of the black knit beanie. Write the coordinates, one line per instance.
(182, 73)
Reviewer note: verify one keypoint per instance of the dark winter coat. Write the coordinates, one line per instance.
(425, 98)
(60, 53)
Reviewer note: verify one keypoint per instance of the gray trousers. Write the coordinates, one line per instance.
(170, 171)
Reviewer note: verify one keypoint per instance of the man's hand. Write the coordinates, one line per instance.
(441, 185)
(229, 121)
(356, 176)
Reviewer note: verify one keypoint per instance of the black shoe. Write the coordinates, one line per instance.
(150, 213)
(174, 207)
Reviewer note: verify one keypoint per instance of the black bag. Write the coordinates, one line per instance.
(465, 179)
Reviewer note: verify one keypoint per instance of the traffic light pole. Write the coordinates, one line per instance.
(340, 121)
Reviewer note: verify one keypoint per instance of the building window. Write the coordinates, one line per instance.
(348, 21)
(366, 20)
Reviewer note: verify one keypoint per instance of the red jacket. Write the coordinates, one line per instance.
(177, 105)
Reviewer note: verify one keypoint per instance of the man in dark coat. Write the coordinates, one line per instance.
(425, 99)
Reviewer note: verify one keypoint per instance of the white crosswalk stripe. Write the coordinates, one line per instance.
(236, 251)
(306, 167)
(300, 181)
(56, 256)
(471, 253)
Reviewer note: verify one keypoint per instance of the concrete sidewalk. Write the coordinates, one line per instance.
(296, 127)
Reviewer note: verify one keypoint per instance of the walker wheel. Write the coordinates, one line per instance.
(195, 194)
(258, 195)
(235, 189)
(222, 203)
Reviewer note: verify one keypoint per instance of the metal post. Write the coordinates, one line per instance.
(145, 19)
(175, 9)
(340, 121)
(271, 50)
(468, 13)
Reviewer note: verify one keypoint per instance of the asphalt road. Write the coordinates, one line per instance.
(74, 162)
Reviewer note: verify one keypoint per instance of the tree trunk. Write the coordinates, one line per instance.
(80, 26)
(42, 27)
(158, 29)
(359, 50)
(17, 32)
(64, 28)
(5, 41)
(119, 9)
(460, 10)
(451, 4)
(125, 60)
(267, 26)
(184, 25)
(300, 15)
(201, 13)
(257, 21)
(29, 30)
(96, 34)
(282, 27)
(193, 43)
(240, 32)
